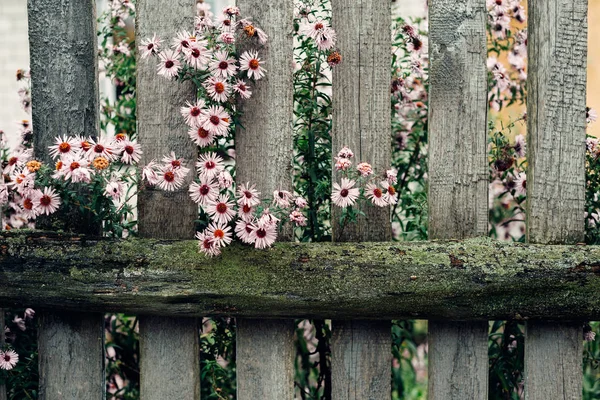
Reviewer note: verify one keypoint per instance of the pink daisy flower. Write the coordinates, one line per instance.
(8, 359)
(242, 89)
(47, 201)
(365, 169)
(231, 11)
(222, 65)
(390, 195)
(170, 179)
(268, 218)
(264, 235)
(114, 189)
(345, 152)
(225, 23)
(183, 41)
(342, 164)
(64, 146)
(221, 233)
(590, 115)
(221, 210)
(216, 120)
(521, 184)
(246, 213)
(27, 204)
(176, 164)
(197, 55)
(193, 112)
(225, 179)
(209, 165)
(217, 88)
(169, 64)
(248, 195)
(101, 148)
(205, 191)
(132, 152)
(150, 173)
(520, 146)
(298, 218)
(74, 168)
(391, 176)
(201, 136)
(227, 38)
(207, 244)
(314, 29)
(250, 62)
(376, 195)
(326, 39)
(149, 46)
(300, 202)
(243, 230)
(282, 198)
(344, 195)
(18, 159)
(22, 181)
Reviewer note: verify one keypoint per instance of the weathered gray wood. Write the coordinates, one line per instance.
(361, 351)
(553, 360)
(2, 341)
(71, 354)
(556, 178)
(361, 365)
(457, 347)
(458, 179)
(64, 70)
(265, 359)
(169, 348)
(265, 349)
(556, 101)
(473, 279)
(361, 113)
(161, 129)
(63, 47)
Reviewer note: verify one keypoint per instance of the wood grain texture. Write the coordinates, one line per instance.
(556, 178)
(458, 179)
(361, 355)
(361, 350)
(458, 169)
(64, 69)
(459, 360)
(169, 347)
(361, 102)
(160, 127)
(265, 354)
(265, 349)
(71, 356)
(553, 360)
(169, 358)
(556, 101)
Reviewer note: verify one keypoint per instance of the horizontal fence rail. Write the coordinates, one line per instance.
(472, 279)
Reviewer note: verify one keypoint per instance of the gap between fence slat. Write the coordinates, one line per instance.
(361, 350)
(265, 348)
(169, 347)
(64, 73)
(556, 101)
(458, 180)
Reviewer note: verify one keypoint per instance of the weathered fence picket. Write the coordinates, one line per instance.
(264, 150)
(65, 100)
(361, 350)
(169, 347)
(444, 281)
(458, 180)
(556, 101)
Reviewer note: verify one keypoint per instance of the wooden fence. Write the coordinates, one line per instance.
(459, 285)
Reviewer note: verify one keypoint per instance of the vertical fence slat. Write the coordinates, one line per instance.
(169, 347)
(2, 342)
(63, 48)
(265, 349)
(361, 350)
(556, 91)
(458, 176)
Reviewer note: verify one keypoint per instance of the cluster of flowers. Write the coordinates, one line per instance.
(255, 222)
(319, 30)
(208, 55)
(380, 191)
(8, 356)
(506, 82)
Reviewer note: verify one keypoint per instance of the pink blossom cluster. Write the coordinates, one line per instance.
(362, 182)
(121, 10)
(8, 357)
(254, 222)
(318, 29)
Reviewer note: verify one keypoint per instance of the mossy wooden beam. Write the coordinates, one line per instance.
(460, 280)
